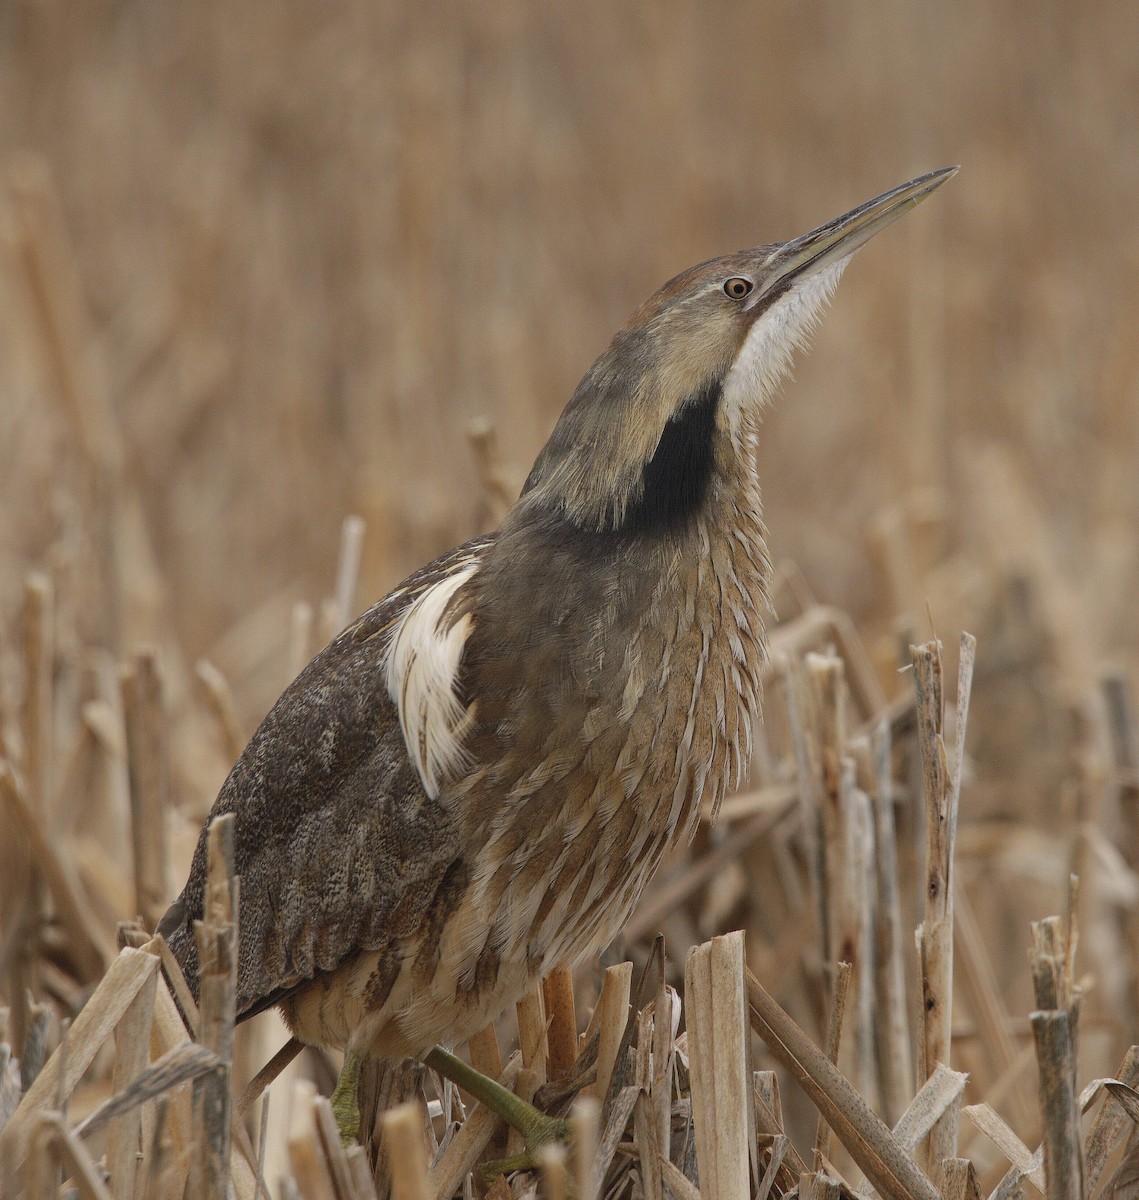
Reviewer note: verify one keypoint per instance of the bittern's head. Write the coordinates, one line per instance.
(634, 447)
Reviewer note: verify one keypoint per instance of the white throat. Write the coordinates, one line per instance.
(765, 357)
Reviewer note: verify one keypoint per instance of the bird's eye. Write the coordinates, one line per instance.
(737, 287)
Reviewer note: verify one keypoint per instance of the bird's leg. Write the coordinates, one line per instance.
(536, 1128)
(345, 1106)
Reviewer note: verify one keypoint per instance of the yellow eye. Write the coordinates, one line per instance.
(737, 287)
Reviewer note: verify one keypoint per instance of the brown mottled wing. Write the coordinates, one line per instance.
(337, 845)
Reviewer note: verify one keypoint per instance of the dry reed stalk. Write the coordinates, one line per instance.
(407, 1154)
(38, 707)
(619, 1111)
(161, 1181)
(681, 1187)
(894, 1048)
(86, 941)
(334, 1155)
(645, 1139)
(149, 769)
(808, 774)
(525, 1085)
(958, 1180)
(647, 1148)
(532, 1040)
(125, 978)
(484, 1052)
(352, 532)
(1027, 1164)
(330, 621)
(168, 1034)
(467, 1146)
(610, 1018)
(719, 1072)
(60, 319)
(362, 1180)
(818, 629)
(552, 1161)
(1109, 1124)
(558, 997)
(769, 1123)
(300, 639)
(980, 986)
(833, 1039)
(257, 1085)
(306, 1155)
(224, 707)
(663, 1050)
(825, 673)
(177, 1066)
(941, 787)
(862, 890)
(216, 937)
(861, 1131)
(585, 1119)
(499, 490)
(73, 1156)
(25, 901)
(943, 1089)
(41, 1170)
(132, 1051)
(1054, 1028)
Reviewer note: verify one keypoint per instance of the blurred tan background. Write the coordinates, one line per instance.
(263, 266)
(312, 242)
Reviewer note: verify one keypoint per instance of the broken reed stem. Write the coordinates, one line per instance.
(552, 1161)
(216, 937)
(828, 688)
(935, 947)
(348, 566)
(311, 1176)
(585, 1122)
(224, 706)
(531, 1014)
(834, 1039)
(484, 1053)
(132, 1051)
(663, 1053)
(149, 773)
(941, 787)
(106, 1006)
(862, 1132)
(561, 1017)
(719, 1071)
(1054, 1029)
(610, 1018)
(1055, 1036)
(39, 644)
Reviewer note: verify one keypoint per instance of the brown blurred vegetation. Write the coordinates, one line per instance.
(314, 240)
(264, 264)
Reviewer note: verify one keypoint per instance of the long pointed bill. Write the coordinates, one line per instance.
(841, 237)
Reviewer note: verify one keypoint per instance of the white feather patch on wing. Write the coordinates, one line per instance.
(423, 662)
(765, 356)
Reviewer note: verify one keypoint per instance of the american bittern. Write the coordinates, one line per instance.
(473, 783)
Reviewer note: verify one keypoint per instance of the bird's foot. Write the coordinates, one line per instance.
(345, 1106)
(540, 1131)
(537, 1129)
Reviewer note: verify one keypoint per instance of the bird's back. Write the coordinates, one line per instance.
(336, 843)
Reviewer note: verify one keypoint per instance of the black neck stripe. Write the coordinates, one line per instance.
(676, 478)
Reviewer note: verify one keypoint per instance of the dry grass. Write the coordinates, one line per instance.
(262, 268)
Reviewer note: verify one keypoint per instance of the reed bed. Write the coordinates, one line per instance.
(287, 301)
(683, 1077)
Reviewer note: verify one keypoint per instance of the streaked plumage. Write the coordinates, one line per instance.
(474, 782)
